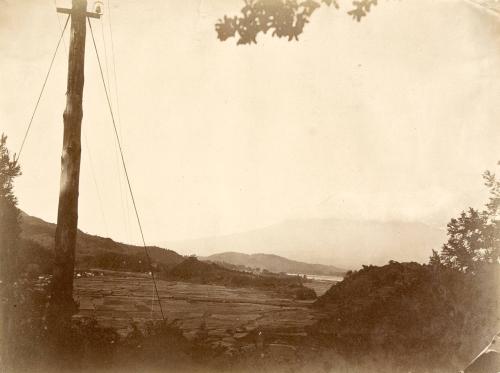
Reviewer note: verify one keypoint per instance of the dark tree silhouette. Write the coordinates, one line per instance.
(9, 214)
(493, 206)
(284, 18)
(9, 239)
(474, 237)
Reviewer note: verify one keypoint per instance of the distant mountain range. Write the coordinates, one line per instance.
(273, 263)
(343, 243)
(334, 243)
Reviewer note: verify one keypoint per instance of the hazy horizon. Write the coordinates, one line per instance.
(347, 244)
(221, 139)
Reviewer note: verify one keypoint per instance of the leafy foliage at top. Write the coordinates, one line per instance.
(284, 18)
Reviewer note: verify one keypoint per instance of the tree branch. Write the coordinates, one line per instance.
(283, 18)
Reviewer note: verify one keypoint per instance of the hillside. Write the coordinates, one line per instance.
(98, 252)
(274, 263)
(343, 243)
(89, 246)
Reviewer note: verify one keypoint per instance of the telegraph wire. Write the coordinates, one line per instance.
(41, 92)
(108, 3)
(126, 172)
(60, 26)
(119, 174)
(91, 163)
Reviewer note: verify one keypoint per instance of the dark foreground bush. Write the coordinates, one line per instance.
(88, 346)
(25, 338)
(22, 331)
(418, 316)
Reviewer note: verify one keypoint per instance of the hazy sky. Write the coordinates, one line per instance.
(395, 117)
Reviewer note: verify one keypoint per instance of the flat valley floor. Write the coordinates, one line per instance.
(230, 317)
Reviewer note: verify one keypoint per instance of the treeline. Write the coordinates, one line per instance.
(118, 262)
(194, 270)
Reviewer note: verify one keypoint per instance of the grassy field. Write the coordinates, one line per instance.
(233, 316)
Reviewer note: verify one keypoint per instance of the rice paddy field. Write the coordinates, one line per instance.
(230, 316)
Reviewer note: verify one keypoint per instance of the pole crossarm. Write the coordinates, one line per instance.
(88, 14)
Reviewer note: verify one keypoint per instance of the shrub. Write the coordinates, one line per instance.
(416, 315)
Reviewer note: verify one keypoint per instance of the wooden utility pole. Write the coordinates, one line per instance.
(61, 305)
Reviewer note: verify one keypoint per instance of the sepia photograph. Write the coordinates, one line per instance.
(242, 186)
